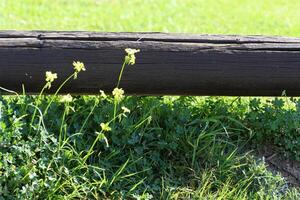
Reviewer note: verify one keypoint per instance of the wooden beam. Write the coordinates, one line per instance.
(168, 64)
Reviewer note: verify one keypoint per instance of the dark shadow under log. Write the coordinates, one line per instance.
(168, 64)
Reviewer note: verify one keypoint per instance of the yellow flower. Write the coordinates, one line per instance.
(102, 94)
(118, 94)
(78, 66)
(125, 110)
(130, 51)
(105, 127)
(66, 98)
(130, 57)
(50, 77)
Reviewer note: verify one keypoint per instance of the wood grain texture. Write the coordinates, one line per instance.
(168, 64)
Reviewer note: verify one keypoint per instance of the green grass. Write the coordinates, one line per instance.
(167, 147)
(270, 17)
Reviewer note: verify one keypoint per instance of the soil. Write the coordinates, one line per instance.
(289, 169)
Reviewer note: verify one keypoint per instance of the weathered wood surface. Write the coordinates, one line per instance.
(168, 64)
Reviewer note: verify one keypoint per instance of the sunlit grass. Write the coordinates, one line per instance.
(79, 147)
(269, 17)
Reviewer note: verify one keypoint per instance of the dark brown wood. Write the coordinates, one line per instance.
(168, 64)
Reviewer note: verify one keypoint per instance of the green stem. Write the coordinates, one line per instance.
(115, 110)
(121, 74)
(57, 91)
(61, 126)
(91, 112)
(118, 84)
(37, 104)
(92, 147)
(95, 141)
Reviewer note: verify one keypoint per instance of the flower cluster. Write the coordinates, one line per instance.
(66, 98)
(105, 127)
(130, 57)
(78, 67)
(118, 94)
(125, 110)
(102, 94)
(50, 77)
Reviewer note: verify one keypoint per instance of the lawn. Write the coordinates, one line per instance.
(126, 147)
(269, 17)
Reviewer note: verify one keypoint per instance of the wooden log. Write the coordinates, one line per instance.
(168, 64)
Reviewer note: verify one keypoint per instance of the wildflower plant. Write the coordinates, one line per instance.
(118, 93)
(118, 96)
(50, 77)
(66, 98)
(129, 60)
(78, 67)
(125, 110)
(130, 57)
(64, 157)
(105, 127)
(102, 94)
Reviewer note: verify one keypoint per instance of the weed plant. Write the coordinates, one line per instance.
(125, 147)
